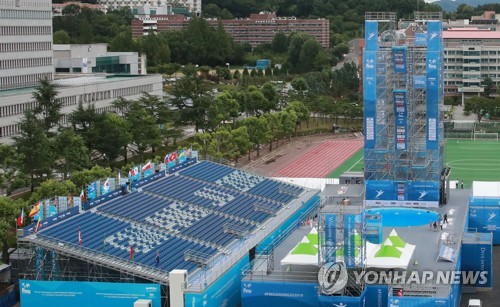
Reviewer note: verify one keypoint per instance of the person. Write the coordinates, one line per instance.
(457, 184)
(445, 218)
(462, 186)
(434, 225)
(400, 292)
(430, 225)
(441, 225)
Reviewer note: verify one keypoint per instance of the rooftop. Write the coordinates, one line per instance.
(470, 33)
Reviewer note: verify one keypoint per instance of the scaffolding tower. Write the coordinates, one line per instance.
(403, 102)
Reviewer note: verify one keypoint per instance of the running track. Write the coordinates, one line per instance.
(321, 160)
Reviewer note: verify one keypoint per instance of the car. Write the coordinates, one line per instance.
(475, 303)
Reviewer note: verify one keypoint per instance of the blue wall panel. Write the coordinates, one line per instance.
(274, 294)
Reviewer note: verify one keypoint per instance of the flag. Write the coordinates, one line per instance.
(134, 173)
(166, 159)
(146, 167)
(190, 152)
(106, 186)
(82, 196)
(157, 258)
(171, 159)
(80, 240)
(20, 218)
(38, 225)
(70, 200)
(34, 211)
(131, 252)
(119, 177)
(92, 190)
(182, 156)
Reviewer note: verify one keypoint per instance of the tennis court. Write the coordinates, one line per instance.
(470, 160)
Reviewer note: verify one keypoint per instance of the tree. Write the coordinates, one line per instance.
(274, 123)
(34, 149)
(301, 111)
(48, 106)
(61, 37)
(83, 120)
(241, 139)
(71, 151)
(203, 140)
(489, 86)
(256, 102)
(259, 128)
(50, 188)
(111, 136)
(223, 109)
(479, 106)
(9, 167)
(237, 74)
(300, 85)
(84, 177)
(272, 96)
(143, 128)
(288, 122)
(279, 43)
(245, 72)
(9, 211)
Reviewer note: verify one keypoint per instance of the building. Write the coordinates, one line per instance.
(403, 99)
(25, 43)
(255, 30)
(95, 58)
(193, 6)
(57, 8)
(471, 55)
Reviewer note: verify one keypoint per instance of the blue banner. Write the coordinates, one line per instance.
(370, 97)
(344, 301)
(330, 238)
(272, 294)
(399, 59)
(432, 96)
(92, 190)
(149, 179)
(377, 296)
(421, 39)
(71, 293)
(419, 82)
(101, 199)
(149, 171)
(400, 111)
(485, 219)
(423, 191)
(434, 35)
(379, 190)
(477, 257)
(180, 166)
(181, 156)
(371, 35)
(349, 241)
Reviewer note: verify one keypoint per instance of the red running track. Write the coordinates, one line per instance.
(321, 160)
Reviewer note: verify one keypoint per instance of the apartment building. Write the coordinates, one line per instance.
(25, 42)
(471, 55)
(255, 30)
(193, 6)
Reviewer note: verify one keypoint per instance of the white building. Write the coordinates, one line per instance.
(193, 6)
(25, 42)
(26, 57)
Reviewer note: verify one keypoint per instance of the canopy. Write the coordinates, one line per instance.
(304, 253)
(393, 253)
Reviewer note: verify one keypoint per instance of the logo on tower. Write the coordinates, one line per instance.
(434, 35)
(492, 216)
(332, 277)
(379, 193)
(422, 195)
(371, 35)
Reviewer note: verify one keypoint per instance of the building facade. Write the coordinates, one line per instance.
(471, 55)
(193, 6)
(25, 43)
(255, 30)
(95, 58)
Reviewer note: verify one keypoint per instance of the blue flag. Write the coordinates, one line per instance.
(92, 190)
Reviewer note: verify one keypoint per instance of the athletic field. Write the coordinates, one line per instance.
(469, 160)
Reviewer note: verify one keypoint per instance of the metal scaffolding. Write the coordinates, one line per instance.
(388, 159)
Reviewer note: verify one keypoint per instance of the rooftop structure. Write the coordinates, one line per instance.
(255, 30)
(156, 7)
(26, 43)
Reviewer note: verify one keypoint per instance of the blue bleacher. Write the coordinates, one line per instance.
(135, 206)
(207, 171)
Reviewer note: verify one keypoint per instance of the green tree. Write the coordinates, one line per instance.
(110, 135)
(203, 141)
(9, 211)
(48, 106)
(10, 178)
(50, 188)
(61, 37)
(83, 120)
(241, 139)
(299, 84)
(272, 96)
(489, 86)
(301, 111)
(274, 123)
(223, 109)
(279, 43)
(71, 151)
(259, 128)
(288, 122)
(35, 155)
(84, 177)
(479, 106)
(245, 72)
(236, 74)
(143, 128)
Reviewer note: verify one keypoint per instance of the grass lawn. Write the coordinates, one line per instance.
(469, 160)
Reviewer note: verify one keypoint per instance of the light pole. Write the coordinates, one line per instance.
(228, 67)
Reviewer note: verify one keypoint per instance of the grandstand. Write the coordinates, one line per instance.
(195, 219)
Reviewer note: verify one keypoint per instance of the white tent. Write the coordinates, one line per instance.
(305, 252)
(393, 253)
(485, 189)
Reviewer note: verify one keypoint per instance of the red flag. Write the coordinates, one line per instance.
(80, 236)
(131, 252)
(20, 218)
(173, 156)
(82, 196)
(167, 158)
(146, 166)
(35, 210)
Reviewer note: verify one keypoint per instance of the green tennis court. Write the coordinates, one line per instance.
(469, 160)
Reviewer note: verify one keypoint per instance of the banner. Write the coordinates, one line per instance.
(421, 39)
(272, 294)
(182, 156)
(477, 257)
(379, 190)
(419, 82)
(370, 98)
(434, 35)
(92, 190)
(399, 59)
(432, 103)
(62, 203)
(73, 293)
(485, 219)
(371, 35)
(330, 238)
(423, 191)
(108, 186)
(349, 241)
(400, 112)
